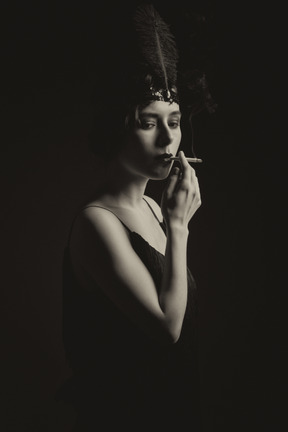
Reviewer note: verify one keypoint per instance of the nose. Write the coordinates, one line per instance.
(165, 136)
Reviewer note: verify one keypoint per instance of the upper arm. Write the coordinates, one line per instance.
(100, 246)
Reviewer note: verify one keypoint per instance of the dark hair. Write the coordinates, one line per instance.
(110, 128)
(120, 89)
(116, 112)
(116, 115)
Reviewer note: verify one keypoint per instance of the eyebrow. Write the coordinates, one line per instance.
(155, 115)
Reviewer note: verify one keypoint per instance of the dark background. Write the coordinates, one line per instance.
(51, 53)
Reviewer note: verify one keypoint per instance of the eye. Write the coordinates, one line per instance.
(147, 125)
(174, 124)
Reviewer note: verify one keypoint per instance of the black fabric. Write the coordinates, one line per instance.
(122, 378)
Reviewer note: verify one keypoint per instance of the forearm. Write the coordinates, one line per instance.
(173, 293)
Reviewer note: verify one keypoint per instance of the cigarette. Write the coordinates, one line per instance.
(192, 160)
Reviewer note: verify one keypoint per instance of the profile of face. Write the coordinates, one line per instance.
(156, 132)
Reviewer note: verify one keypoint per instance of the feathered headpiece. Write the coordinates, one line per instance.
(157, 54)
(141, 65)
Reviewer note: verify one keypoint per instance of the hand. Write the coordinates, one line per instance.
(181, 197)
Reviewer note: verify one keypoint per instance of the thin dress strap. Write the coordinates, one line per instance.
(151, 208)
(83, 208)
(105, 208)
(125, 226)
(162, 224)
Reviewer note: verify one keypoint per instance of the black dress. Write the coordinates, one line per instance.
(122, 379)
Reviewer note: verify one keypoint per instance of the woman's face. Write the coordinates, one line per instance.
(156, 132)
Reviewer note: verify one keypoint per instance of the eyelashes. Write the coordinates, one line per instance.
(146, 125)
(149, 125)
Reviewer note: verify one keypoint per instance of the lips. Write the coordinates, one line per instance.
(164, 156)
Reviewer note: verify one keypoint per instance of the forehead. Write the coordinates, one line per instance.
(160, 108)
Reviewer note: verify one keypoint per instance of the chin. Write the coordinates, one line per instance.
(160, 174)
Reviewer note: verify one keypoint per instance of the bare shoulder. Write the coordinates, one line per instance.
(97, 228)
(155, 206)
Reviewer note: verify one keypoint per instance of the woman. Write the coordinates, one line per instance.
(129, 298)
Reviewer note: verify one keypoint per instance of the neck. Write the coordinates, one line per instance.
(125, 188)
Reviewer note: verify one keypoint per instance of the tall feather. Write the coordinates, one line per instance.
(156, 43)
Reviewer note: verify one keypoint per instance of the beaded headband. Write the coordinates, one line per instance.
(165, 95)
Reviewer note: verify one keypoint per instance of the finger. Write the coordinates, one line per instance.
(182, 160)
(172, 182)
(186, 167)
(195, 181)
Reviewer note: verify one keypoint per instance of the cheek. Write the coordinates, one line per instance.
(138, 140)
(177, 141)
(143, 145)
(134, 152)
